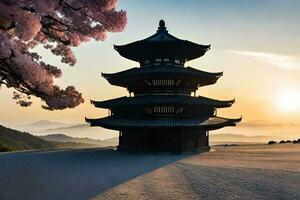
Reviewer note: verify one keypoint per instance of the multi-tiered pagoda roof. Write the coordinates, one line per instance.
(162, 45)
(161, 114)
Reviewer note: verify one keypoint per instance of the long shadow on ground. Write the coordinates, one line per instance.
(72, 174)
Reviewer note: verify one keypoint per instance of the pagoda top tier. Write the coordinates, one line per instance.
(160, 46)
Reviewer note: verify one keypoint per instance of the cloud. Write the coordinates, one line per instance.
(279, 60)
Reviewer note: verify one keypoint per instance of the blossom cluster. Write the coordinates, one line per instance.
(57, 25)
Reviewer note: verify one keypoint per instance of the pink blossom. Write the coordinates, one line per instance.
(58, 25)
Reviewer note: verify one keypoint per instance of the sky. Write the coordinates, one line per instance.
(255, 43)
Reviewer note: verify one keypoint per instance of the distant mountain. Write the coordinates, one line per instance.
(41, 125)
(57, 138)
(74, 127)
(44, 123)
(16, 140)
(65, 138)
(80, 131)
(13, 140)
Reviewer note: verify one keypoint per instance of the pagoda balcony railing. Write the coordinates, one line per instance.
(162, 93)
(161, 110)
(162, 86)
(161, 61)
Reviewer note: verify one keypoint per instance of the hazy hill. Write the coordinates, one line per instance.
(44, 123)
(69, 128)
(41, 125)
(17, 140)
(65, 138)
(80, 131)
(13, 140)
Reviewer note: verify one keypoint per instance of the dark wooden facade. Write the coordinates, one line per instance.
(161, 114)
(164, 139)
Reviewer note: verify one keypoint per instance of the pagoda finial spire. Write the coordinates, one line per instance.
(162, 23)
(162, 26)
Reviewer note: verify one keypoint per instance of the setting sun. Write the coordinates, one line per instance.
(288, 100)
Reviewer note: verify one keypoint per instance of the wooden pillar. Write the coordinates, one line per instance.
(197, 140)
(146, 140)
(181, 139)
(207, 138)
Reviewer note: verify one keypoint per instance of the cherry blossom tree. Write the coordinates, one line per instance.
(57, 25)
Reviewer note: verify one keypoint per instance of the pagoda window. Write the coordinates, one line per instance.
(157, 60)
(166, 60)
(147, 61)
(163, 82)
(163, 109)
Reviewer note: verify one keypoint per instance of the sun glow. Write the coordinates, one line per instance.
(289, 100)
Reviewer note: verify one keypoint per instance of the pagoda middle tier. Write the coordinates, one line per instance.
(163, 105)
(146, 100)
(163, 111)
(162, 79)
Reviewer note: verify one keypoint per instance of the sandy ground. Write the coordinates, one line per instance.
(243, 172)
(237, 172)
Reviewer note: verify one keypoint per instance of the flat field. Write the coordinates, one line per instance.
(232, 172)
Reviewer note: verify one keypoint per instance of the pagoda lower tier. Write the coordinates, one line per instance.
(164, 139)
(203, 123)
(163, 133)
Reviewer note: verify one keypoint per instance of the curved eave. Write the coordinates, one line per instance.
(117, 123)
(122, 78)
(162, 100)
(144, 43)
(126, 73)
(161, 36)
(182, 50)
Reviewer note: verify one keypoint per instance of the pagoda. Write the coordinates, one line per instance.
(160, 113)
